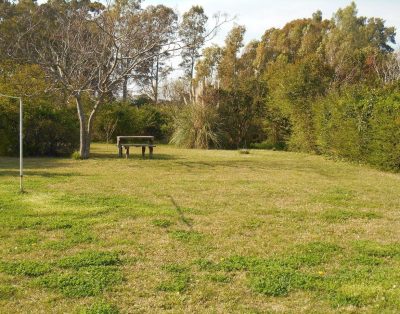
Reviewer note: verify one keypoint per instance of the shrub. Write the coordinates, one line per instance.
(361, 125)
(196, 125)
(126, 119)
(48, 130)
(76, 155)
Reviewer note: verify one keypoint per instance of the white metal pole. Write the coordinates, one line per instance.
(21, 146)
(21, 139)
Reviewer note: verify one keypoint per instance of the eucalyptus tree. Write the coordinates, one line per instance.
(207, 66)
(148, 73)
(192, 32)
(352, 41)
(156, 71)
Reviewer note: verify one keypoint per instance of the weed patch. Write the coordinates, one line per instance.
(341, 215)
(278, 280)
(85, 282)
(90, 258)
(336, 196)
(280, 275)
(176, 283)
(178, 280)
(219, 278)
(7, 292)
(187, 236)
(162, 223)
(59, 224)
(24, 268)
(373, 249)
(73, 236)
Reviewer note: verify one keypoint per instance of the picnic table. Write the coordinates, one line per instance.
(145, 141)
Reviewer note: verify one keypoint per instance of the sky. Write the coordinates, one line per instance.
(260, 15)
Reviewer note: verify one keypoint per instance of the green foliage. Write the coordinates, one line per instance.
(48, 130)
(294, 91)
(361, 125)
(193, 34)
(125, 119)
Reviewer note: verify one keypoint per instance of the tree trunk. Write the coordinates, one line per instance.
(125, 89)
(84, 135)
(156, 80)
(192, 72)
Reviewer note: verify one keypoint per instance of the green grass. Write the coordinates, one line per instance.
(90, 258)
(24, 268)
(199, 231)
(85, 282)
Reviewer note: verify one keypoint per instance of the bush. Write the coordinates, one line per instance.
(384, 145)
(126, 119)
(48, 130)
(196, 125)
(76, 155)
(361, 125)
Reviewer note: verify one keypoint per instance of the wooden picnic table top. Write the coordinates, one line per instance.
(137, 145)
(137, 137)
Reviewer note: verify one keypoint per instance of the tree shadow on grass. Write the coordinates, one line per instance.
(134, 156)
(44, 174)
(258, 165)
(182, 217)
(34, 163)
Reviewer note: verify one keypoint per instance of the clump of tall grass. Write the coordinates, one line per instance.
(196, 124)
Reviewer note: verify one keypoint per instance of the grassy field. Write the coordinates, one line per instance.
(199, 231)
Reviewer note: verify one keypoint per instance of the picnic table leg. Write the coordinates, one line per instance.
(127, 152)
(120, 151)
(143, 151)
(151, 151)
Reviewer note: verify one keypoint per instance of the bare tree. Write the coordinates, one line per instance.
(389, 69)
(90, 51)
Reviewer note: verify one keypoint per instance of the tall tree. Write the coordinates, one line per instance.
(351, 42)
(83, 47)
(207, 67)
(229, 65)
(193, 33)
(155, 71)
(148, 73)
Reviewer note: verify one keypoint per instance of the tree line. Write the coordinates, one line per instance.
(325, 86)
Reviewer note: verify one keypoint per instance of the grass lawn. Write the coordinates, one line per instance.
(199, 231)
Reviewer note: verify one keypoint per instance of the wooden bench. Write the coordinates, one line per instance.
(126, 146)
